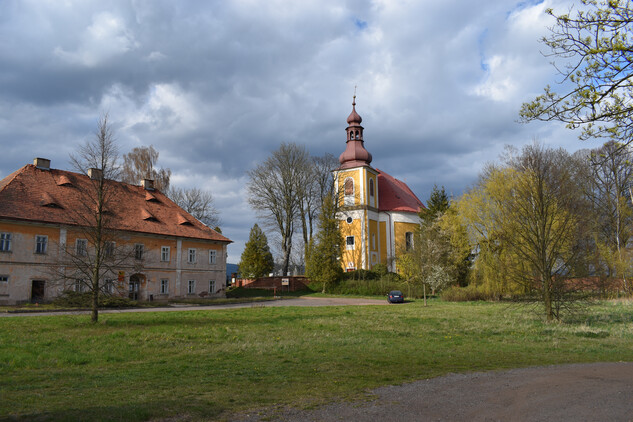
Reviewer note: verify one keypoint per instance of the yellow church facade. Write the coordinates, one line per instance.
(378, 213)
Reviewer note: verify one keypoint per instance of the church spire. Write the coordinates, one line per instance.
(355, 154)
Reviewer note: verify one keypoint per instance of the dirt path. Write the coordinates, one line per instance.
(300, 301)
(587, 392)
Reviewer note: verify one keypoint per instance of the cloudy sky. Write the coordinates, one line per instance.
(215, 86)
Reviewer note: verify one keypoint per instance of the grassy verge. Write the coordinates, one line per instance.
(207, 364)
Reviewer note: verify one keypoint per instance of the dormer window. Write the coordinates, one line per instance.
(49, 201)
(147, 216)
(149, 197)
(64, 180)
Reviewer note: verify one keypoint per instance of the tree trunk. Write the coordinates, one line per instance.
(424, 290)
(95, 301)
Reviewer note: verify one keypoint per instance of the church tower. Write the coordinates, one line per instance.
(378, 213)
(358, 199)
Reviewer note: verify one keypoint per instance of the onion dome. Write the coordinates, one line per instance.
(355, 154)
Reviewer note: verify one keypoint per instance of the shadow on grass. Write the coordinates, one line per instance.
(192, 410)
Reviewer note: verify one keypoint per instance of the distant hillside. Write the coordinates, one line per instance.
(230, 268)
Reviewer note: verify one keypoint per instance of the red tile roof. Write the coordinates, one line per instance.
(395, 195)
(54, 196)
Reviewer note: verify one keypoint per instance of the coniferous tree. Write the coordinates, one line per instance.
(437, 205)
(256, 261)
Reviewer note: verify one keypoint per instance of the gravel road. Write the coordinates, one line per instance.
(579, 392)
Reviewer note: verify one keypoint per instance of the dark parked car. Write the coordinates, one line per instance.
(395, 296)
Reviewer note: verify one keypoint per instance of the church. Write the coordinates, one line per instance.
(378, 213)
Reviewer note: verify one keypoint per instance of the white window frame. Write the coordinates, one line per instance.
(108, 248)
(79, 286)
(191, 255)
(81, 247)
(408, 240)
(164, 286)
(213, 256)
(41, 244)
(350, 246)
(109, 285)
(139, 251)
(212, 286)
(165, 253)
(5, 242)
(191, 287)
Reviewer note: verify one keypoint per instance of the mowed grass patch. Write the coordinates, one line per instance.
(208, 364)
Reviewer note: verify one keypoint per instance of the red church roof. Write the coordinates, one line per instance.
(54, 196)
(395, 195)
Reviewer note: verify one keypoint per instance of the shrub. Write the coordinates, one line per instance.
(72, 299)
(464, 294)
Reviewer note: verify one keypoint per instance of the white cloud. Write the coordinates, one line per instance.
(104, 39)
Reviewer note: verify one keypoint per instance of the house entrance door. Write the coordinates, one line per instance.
(37, 291)
(136, 281)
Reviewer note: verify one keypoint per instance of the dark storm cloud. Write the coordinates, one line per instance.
(216, 86)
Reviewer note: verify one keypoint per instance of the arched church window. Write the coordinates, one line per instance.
(349, 186)
(371, 187)
(357, 135)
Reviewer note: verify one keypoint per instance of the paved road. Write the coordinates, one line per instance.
(300, 301)
(588, 392)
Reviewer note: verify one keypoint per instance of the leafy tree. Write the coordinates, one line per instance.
(594, 46)
(140, 164)
(275, 189)
(323, 262)
(256, 260)
(528, 218)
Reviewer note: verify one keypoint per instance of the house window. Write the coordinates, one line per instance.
(4, 278)
(211, 286)
(40, 244)
(5, 242)
(139, 249)
(79, 286)
(191, 289)
(349, 242)
(164, 286)
(192, 256)
(213, 256)
(108, 249)
(409, 240)
(164, 253)
(81, 247)
(109, 286)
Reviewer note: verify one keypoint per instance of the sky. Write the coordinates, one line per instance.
(216, 86)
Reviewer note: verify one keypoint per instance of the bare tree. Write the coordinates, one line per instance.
(91, 264)
(275, 191)
(611, 176)
(198, 203)
(140, 164)
(317, 183)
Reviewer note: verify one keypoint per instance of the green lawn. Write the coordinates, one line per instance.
(208, 364)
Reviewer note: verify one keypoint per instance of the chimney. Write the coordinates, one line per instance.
(42, 163)
(148, 184)
(95, 174)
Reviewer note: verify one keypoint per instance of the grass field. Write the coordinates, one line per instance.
(209, 364)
